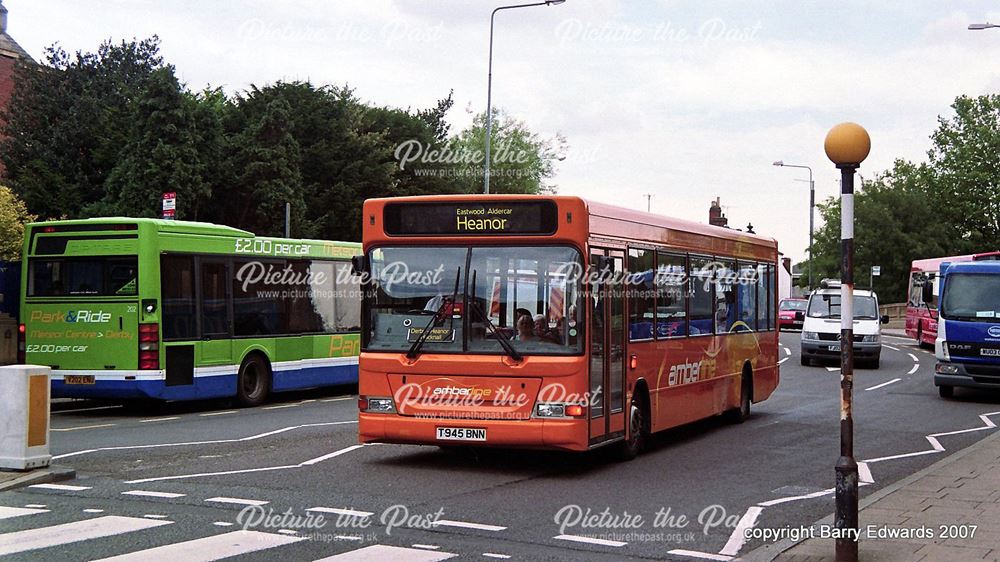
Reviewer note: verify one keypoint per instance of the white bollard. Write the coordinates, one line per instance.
(24, 417)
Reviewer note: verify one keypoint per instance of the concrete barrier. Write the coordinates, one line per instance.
(24, 417)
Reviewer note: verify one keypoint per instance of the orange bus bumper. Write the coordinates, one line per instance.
(565, 434)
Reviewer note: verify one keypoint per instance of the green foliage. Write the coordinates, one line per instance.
(948, 206)
(13, 216)
(162, 155)
(69, 119)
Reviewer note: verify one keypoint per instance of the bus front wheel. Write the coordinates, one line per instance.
(253, 381)
(635, 442)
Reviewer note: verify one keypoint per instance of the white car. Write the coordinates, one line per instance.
(821, 327)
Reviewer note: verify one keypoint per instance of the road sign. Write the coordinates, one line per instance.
(876, 270)
(169, 205)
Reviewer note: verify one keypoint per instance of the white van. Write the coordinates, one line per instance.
(821, 327)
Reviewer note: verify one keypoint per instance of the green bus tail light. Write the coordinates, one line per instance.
(149, 346)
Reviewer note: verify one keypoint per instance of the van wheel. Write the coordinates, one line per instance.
(806, 362)
(636, 440)
(946, 391)
(253, 381)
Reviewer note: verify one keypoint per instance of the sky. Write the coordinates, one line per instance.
(684, 100)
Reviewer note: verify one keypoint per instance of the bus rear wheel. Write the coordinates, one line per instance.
(740, 414)
(253, 381)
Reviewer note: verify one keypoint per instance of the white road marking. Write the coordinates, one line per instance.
(279, 406)
(56, 535)
(787, 351)
(77, 428)
(779, 501)
(865, 473)
(348, 537)
(222, 524)
(782, 360)
(465, 525)
(914, 369)
(696, 554)
(8, 512)
(93, 511)
(738, 537)
(287, 532)
(249, 470)
(151, 420)
(887, 383)
(347, 512)
(495, 555)
(149, 494)
(75, 410)
(209, 442)
(219, 413)
(36, 505)
(154, 516)
(890, 347)
(588, 540)
(238, 501)
(63, 487)
(832, 369)
(914, 357)
(381, 552)
(234, 543)
(426, 546)
(338, 399)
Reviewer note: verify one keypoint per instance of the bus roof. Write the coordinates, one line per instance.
(178, 227)
(934, 264)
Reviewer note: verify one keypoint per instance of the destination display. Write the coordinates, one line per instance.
(488, 218)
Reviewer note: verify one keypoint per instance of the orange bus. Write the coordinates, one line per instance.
(558, 323)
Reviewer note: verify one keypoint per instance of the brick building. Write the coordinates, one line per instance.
(10, 52)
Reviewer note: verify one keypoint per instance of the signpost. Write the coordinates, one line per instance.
(876, 272)
(169, 205)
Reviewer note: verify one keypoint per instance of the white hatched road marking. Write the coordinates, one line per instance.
(209, 548)
(588, 540)
(338, 511)
(56, 535)
(96, 426)
(238, 501)
(696, 554)
(381, 552)
(738, 537)
(887, 383)
(149, 494)
(466, 525)
(8, 512)
(63, 487)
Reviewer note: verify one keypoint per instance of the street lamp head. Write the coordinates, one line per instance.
(779, 162)
(978, 26)
(847, 144)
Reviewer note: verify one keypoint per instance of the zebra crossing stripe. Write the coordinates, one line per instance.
(55, 535)
(381, 552)
(8, 512)
(205, 549)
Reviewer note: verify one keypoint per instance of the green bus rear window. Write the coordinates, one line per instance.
(85, 277)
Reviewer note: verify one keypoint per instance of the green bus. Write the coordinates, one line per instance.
(130, 308)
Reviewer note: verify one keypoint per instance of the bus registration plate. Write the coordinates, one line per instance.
(78, 379)
(461, 434)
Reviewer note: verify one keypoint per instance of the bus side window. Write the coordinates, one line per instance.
(177, 289)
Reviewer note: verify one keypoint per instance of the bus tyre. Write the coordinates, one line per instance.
(739, 415)
(635, 442)
(946, 391)
(253, 381)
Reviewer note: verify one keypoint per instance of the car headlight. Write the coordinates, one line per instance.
(872, 338)
(946, 369)
(810, 336)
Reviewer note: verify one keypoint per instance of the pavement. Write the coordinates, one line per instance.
(11, 479)
(944, 512)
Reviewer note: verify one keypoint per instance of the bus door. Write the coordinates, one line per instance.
(606, 301)
(214, 312)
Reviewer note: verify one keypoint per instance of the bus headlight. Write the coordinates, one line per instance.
(946, 369)
(376, 405)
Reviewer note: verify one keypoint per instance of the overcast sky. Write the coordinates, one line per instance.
(687, 100)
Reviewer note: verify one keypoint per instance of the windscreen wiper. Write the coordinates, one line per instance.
(414, 350)
(501, 338)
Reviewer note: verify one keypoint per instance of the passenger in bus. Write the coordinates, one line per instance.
(525, 329)
(542, 331)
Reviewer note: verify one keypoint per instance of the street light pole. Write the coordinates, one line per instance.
(649, 198)
(847, 145)
(489, 85)
(981, 26)
(812, 207)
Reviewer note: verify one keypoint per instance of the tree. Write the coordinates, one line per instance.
(162, 155)
(68, 120)
(13, 216)
(268, 161)
(520, 161)
(966, 163)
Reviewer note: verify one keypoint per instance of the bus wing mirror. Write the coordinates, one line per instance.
(927, 292)
(359, 265)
